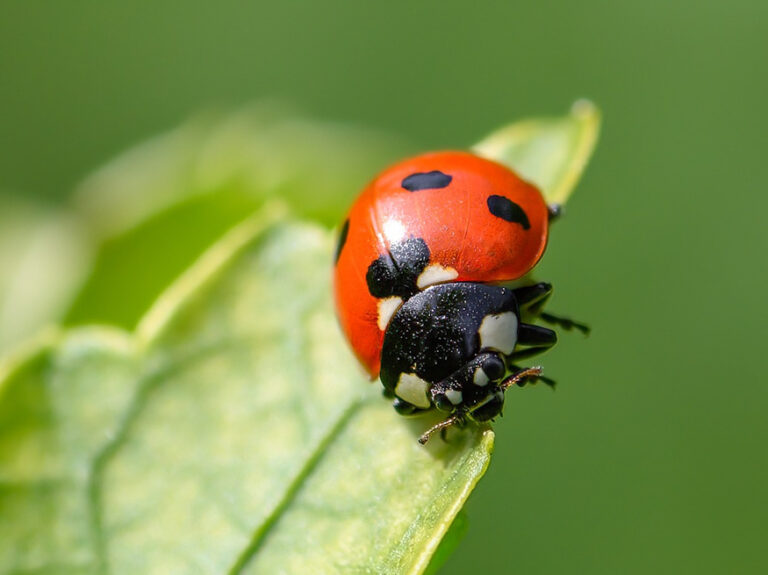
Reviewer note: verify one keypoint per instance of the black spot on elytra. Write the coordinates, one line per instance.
(508, 210)
(426, 181)
(396, 273)
(342, 239)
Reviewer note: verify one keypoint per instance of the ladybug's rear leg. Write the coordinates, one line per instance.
(532, 299)
(565, 323)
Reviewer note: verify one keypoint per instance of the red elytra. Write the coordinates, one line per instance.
(480, 221)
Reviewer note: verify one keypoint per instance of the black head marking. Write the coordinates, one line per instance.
(426, 181)
(508, 210)
(396, 273)
(342, 239)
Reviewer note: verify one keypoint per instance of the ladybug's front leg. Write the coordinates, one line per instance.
(404, 408)
(481, 405)
(464, 389)
(470, 384)
(474, 388)
(401, 406)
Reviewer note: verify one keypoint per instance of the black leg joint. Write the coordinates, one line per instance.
(533, 297)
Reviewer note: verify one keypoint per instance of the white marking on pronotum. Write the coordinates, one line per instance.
(413, 389)
(499, 332)
(454, 396)
(480, 379)
(434, 274)
(387, 308)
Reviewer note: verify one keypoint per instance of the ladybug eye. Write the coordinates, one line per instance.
(433, 180)
(508, 210)
(493, 368)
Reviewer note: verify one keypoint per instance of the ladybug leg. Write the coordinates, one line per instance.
(469, 385)
(404, 408)
(471, 392)
(565, 323)
(444, 431)
(539, 339)
(532, 299)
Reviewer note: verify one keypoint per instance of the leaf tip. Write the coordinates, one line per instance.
(590, 118)
(585, 109)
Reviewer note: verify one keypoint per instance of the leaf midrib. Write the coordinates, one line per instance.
(293, 488)
(145, 386)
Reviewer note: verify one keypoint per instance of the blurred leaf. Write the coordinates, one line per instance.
(552, 153)
(132, 269)
(157, 207)
(261, 152)
(233, 432)
(43, 258)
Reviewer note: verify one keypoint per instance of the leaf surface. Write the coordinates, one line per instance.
(550, 152)
(233, 432)
(43, 258)
(155, 208)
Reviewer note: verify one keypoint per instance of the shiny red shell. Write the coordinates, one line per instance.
(456, 222)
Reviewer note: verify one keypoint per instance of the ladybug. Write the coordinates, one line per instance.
(424, 281)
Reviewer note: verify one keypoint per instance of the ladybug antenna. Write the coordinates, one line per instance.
(458, 417)
(520, 376)
(453, 420)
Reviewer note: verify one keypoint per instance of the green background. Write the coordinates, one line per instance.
(651, 454)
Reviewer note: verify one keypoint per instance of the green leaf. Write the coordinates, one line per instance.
(550, 152)
(43, 258)
(449, 543)
(153, 210)
(133, 268)
(233, 432)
